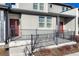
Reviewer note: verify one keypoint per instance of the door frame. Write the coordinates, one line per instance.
(61, 26)
(15, 28)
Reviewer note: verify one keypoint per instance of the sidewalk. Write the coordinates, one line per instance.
(73, 54)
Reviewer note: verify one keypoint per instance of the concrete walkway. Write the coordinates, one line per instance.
(18, 51)
(73, 54)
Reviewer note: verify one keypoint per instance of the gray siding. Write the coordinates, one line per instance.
(29, 24)
(29, 6)
(56, 8)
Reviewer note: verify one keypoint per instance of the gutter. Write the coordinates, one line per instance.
(22, 11)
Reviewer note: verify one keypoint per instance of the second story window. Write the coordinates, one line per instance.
(41, 6)
(65, 9)
(35, 6)
(11, 5)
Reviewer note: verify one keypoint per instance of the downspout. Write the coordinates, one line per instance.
(58, 22)
(76, 22)
(57, 29)
(6, 28)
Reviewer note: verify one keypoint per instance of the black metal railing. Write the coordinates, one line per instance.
(43, 38)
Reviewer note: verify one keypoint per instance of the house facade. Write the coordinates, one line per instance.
(46, 23)
(49, 23)
(39, 18)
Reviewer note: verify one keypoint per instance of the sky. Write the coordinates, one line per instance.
(76, 5)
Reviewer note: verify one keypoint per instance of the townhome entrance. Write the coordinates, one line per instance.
(61, 26)
(14, 27)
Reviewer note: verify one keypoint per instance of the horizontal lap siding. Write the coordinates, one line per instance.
(29, 24)
(55, 9)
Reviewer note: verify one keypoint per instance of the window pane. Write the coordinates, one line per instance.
(66, 8)
(49, 19)
(35, 5)
(41, 19)
(63, 8)
(41, 24)
(48, 24)
(41, 6)
(10, 5)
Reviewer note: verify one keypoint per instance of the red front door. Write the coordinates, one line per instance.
(61, 27)
(14, 26)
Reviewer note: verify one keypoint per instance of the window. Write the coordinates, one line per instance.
(45, 21)
(49, 21)
(35, 5)
(65, 8)
(10, 5)
(41, 21)
(41, 6)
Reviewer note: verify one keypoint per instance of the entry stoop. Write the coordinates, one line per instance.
(17, 47)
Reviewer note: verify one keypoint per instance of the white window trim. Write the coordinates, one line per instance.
(41, 22)
(41, 6)
(49, 22)
(38, 7)
(45, 22)
(33, 6)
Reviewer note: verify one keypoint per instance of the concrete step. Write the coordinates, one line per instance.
(18, 50)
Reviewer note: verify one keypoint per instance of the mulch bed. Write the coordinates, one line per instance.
(61, 51)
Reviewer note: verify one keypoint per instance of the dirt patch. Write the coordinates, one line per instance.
(4, 52)
(68, 49)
